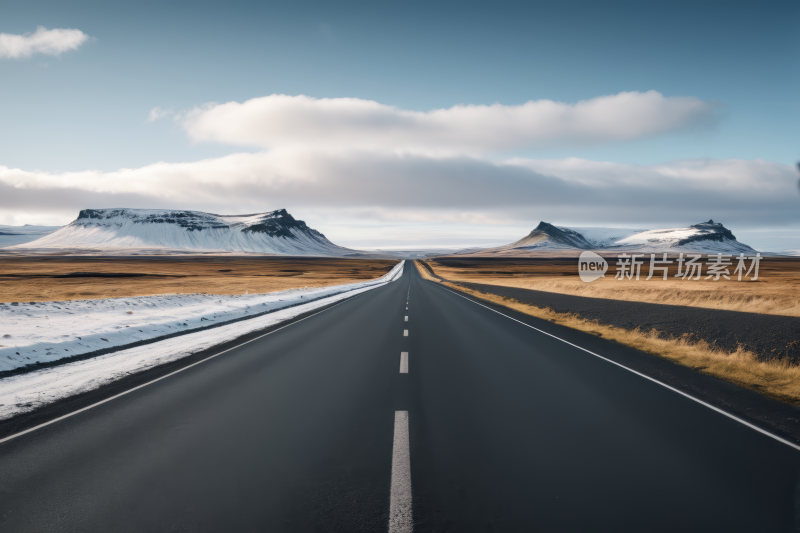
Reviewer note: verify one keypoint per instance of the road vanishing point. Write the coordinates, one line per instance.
(406, 408)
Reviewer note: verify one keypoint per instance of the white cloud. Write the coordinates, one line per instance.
(42, 41)
(350, 163)
(157, 113)
(279, 121)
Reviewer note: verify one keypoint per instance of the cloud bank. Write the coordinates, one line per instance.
(350, 159)
(281, 121)
(425, 188)
(42, 41)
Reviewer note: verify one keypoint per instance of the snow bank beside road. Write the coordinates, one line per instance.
(26, 392)
(49, 331)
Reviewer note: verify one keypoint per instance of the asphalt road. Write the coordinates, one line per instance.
(305, 429)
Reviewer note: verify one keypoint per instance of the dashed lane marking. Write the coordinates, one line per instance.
(400, 517)
(404, 362)
(405, 333)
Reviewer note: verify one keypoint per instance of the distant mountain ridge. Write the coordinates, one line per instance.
(13, 235)
(275, 232)
(705, 237)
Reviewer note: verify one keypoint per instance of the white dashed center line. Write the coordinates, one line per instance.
(405, 333)
(406, 318)
(404, 362)
(400, 518)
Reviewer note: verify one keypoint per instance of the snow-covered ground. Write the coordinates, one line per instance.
(25, 392)
(48, 331)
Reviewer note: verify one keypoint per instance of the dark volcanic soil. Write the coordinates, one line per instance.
(767, 335)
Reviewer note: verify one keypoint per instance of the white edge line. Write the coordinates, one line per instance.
(701, 402)
(15, 435)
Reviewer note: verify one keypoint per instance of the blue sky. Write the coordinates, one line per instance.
(87, 109)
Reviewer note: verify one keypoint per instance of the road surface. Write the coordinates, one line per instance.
(493, 426)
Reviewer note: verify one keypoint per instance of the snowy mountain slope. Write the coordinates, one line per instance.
(706, 237)
(13, 235)
(603, 237)
(275, 232)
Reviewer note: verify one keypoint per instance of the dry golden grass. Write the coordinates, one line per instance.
(777, 291)
(422, 268)
(775, 378)
(30, 279)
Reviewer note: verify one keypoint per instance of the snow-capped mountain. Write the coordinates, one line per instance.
(544, 237)
(275, 232)
(11, 235)
(706, 237)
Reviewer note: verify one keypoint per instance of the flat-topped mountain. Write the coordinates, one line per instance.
(705, 237)
(274, 232)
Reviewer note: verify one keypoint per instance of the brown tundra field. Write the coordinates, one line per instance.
(36, 279)
(776, 292)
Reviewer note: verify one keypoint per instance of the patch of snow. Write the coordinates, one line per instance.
(662, 236)
(25, 392)
(49, 331)
(604, 237)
